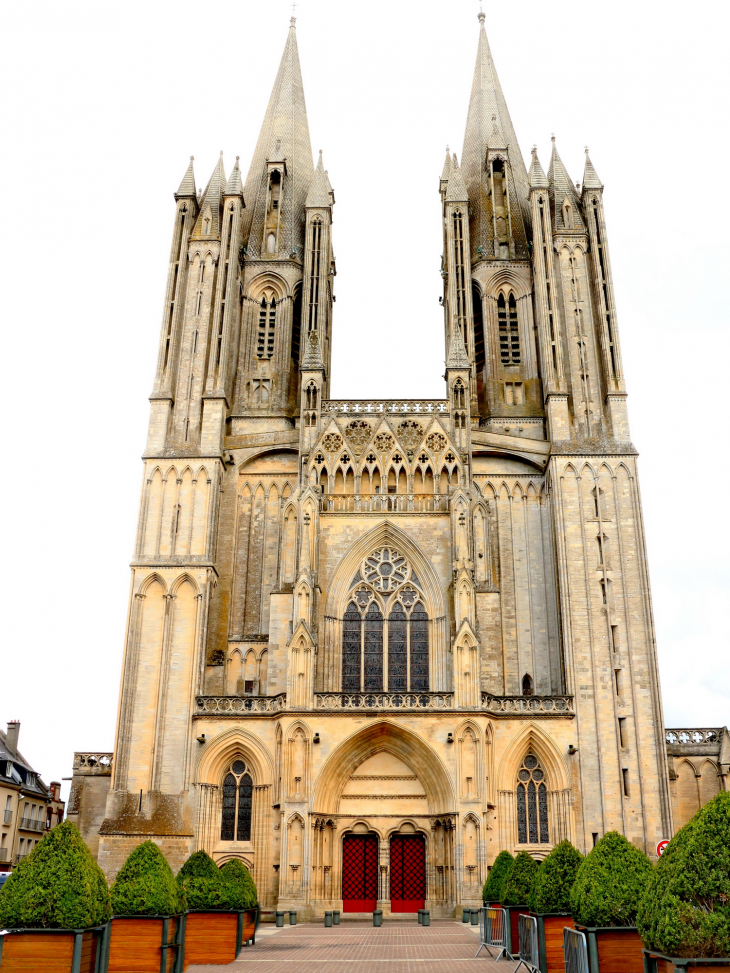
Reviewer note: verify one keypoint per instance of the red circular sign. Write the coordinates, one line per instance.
(661, 848)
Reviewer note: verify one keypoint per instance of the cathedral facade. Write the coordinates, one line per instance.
(372, 643)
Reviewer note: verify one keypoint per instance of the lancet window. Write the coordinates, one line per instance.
(509, 334)
(385, 643)
(460, 274)
(315, 253)
(237, 803)
(267, 326)
(532, 803)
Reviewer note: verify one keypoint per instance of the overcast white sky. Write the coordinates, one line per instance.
(103, 103)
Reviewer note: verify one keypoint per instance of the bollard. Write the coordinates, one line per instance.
(279, 919)
(420, 916)
(292, 918)
(378, 917)
(426, 918)
(336, 917)
(328, 920)
(475, 917)
(465, 915)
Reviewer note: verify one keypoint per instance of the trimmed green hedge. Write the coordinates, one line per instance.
(236, 873)
(204, 886)
(518, 887)
(685, 909)
(555, 878)
(498, 875)
(58, 886)
(610, 883)
(145, 885)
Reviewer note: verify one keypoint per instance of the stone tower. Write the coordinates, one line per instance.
(371, 643)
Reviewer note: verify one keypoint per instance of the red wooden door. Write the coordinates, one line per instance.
(407, 873)
(359, 873)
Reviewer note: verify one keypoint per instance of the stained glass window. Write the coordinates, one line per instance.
(237, 804)
(228, 822)
(532, 805)
(419, 650)
(373, 655)
(351, 650)
(245, 802)
(397, 651)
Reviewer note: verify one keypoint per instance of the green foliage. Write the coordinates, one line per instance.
(685, 910)
(554, 879)
(145, 885)
(199, 865)
(498, 875)
(204, 886)
(235, 872)
(58, 886)
(518, 887)
(610, 883)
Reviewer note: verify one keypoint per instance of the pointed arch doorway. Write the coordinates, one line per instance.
(359, 872)
(407, 872)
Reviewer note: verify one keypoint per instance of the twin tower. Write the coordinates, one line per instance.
(372, 643)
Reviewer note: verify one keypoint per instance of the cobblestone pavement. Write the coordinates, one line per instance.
(444, 947)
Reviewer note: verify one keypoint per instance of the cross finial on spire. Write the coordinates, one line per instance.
(480, 15)
(293, 20)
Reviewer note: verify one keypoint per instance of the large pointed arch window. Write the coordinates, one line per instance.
(509, 333)
(237, 803)
(532, 804)
(267, 327)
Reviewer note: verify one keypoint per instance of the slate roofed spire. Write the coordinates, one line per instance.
(538, 179)
(487, 100)
(590, 176)
(284, 137)
(320, 191)
(235, 186)
(187, 186)
(210, 204)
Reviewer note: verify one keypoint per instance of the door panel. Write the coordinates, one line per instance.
(359, 873)
(407, 873)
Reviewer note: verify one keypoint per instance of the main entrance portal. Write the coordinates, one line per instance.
(407, 873)
(359, 873)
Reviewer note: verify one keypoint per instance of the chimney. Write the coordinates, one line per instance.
(11, 738)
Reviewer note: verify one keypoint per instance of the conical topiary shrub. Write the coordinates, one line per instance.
(554, 880)
(204, 887)
(518, 887)
(610, 883)
(498, 875)
(236, 873)
(685, 909)
(58, 886)
(145, 885)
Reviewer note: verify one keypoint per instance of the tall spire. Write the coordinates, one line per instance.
(284, 137)
(487, 100)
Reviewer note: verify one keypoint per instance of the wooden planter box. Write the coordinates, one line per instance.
(614, 949)
(54, 950)
(214, 938)
(145, 944)
(513, 925)
(550, 927)
(659, 963)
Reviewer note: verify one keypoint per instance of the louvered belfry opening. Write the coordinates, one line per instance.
(359, 873)
(407, 873)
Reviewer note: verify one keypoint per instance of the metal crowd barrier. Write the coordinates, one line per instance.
(493, 929)
(576, 951)
(529, 948)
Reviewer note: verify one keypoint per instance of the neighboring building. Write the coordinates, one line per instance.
(699, 768)
(28, 807)
(371, 643)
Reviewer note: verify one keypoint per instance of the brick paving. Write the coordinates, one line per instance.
(444, 947)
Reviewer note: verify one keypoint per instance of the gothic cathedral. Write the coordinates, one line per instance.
(371, 643)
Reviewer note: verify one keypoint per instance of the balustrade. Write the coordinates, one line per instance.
(386, 406)
(558, 705)
(384, 503)
(240, 704)
(693, 736)
(384, 701)
(93, 763)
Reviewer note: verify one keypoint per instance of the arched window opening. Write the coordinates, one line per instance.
(509, 335)
(315, 252)
(597, 495)
(480, 354)
(296, 327)
(419, 650)
(267, 325)
(460, 274)
(527, 689)
(602, 542)
(237, 803)
(532, 805)
(392, 482)
(397, 650)
(323, 477)
(373, 650)
(459, 396)
(351, 627)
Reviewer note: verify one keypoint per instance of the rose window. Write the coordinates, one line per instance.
(385, 570)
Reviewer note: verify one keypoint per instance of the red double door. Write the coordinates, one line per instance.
(360, 873)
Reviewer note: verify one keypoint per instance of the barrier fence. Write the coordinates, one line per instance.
(529, 947)
(576, 951)
(493, 929)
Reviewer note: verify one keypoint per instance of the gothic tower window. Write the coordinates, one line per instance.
(532, 805)
(419, 650)
(479, 346)
(296, 327)
(527, 688)
(460, 274)
(398, 650)
(373, 650)
(509, 335)
(351, 626)
(267, 326)
(237, 803)
(315, 250)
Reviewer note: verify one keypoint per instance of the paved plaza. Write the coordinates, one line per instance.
(444, 947)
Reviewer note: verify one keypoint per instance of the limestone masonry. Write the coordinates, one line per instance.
(371, 643)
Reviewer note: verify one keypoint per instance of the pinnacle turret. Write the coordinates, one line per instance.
(457, 356)
(590, 176)
(208, 223)
(538, 179)
(312, 359)
(234, 186)
(187, 186)
(456, 191)
(320, 191)
(566, 208)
